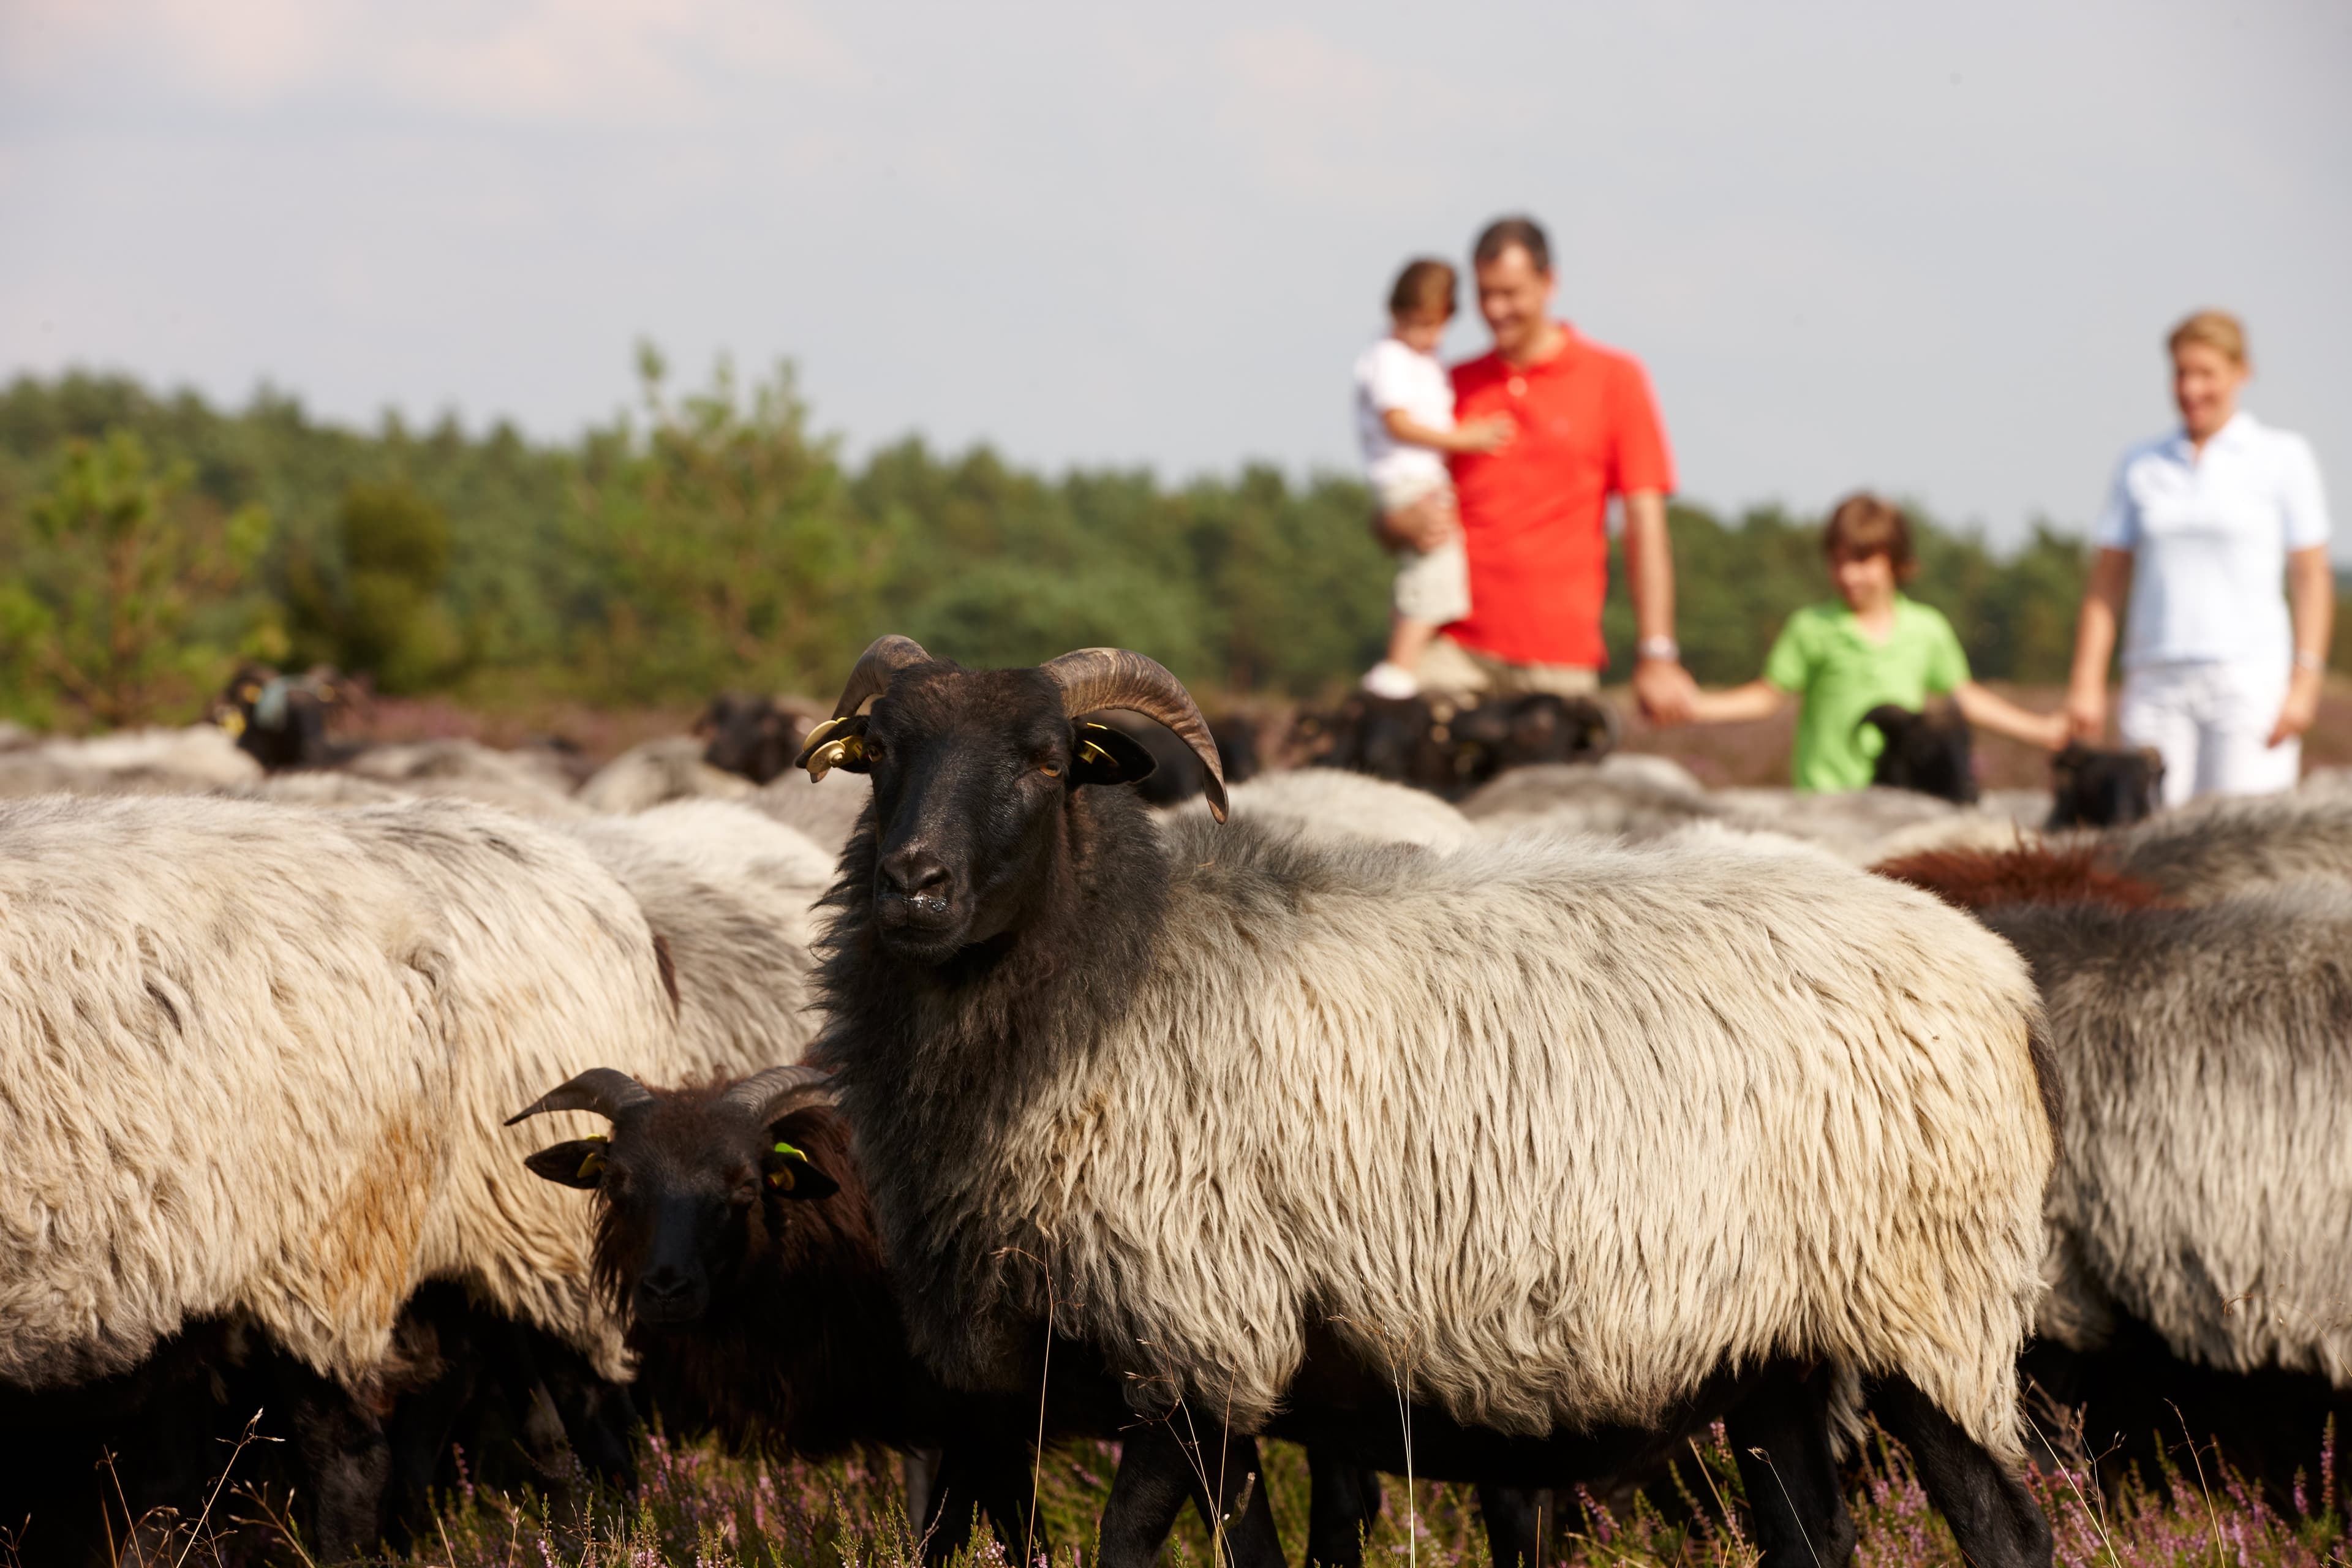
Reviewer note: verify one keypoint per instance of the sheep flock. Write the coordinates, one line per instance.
(991, 1057)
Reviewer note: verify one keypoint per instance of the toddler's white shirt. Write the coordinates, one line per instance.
(2210, 534)
(1391, 376)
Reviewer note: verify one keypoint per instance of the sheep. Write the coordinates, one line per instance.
(729, 895)
(1280, 1128)
(2199, 1218)
(2096, 788)
(1927, 751)
(1329, 806)
(280, 722)
(826, 817)
(252, 1066)
(1174, 781)
(1979, 878)
(732, 1222)
(658, 771)
(1439, 745)
(138, 762)
(1636, 798)
(530, 782)
(752, 736)
(2221, 845)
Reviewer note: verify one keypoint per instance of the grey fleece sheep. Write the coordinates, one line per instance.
(254, 1060)
(1332, 806)
(1451, 1107)
(2223, 845)
(2207, 1184)
(656, 772)
(729, 895)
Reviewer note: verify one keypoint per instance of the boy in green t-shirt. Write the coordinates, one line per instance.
(1844, 659)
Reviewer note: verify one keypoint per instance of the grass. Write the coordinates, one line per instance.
(700, 1507)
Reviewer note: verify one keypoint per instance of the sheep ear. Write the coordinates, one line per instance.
(789, 1175)
(577, 1164)
(1100, 754)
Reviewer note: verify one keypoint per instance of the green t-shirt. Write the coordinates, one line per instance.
(1837, 675)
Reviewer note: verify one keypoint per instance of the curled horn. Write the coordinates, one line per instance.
(884, 657)
(776, 1093)
(1096, 677)
(607, 1091)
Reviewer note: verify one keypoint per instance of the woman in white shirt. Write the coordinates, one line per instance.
(2219, 677)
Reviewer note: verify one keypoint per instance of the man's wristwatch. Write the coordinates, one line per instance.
(1666, 648)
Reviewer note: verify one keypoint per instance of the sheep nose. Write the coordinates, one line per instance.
(916, 873)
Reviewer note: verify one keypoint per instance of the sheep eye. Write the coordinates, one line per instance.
(1049, 770)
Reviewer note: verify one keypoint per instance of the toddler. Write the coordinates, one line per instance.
(1404, 417)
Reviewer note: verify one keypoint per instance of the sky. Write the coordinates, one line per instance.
(1928, 250)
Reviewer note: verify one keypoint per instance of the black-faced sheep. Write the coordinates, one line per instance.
(2199, 1218)
(1927, 752)
(752, 736)
(1216, 1104)
(281, 720)
(1451, 748)
(2096, 788)
(732, 1224)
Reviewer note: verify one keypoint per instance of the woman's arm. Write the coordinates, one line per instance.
(2095, 643)
(1757, 700)
(2311, 599)
(1478, 435)
(1990, 710)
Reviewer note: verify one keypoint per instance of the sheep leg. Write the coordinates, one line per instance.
(993, 1475)
(1342, 1501)
(1779, 1433)
(1514, 1516)
(1159, 1469)
(347, 1460)
(1993, 1518)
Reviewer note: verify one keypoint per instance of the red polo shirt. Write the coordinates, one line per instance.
(1535, 514)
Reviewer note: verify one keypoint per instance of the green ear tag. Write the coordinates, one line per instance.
(787, 1149)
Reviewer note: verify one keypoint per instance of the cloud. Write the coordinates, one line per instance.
(569, 63)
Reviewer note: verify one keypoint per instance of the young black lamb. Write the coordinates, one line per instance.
(1927, 751)
(733, 1225)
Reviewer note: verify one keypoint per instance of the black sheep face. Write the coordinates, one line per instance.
(2092, 788)
(748, 736)
(1926, 753)
(690, 1191)
(976, 773)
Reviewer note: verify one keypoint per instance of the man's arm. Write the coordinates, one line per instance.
(1663, 687)
(1478, 435)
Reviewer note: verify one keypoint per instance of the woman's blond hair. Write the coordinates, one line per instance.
(2216, 329)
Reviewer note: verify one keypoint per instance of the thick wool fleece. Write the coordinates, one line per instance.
(731, 893)
(2207, 1184)
(254, 1062)
(1552, 1131)
(2234, 844)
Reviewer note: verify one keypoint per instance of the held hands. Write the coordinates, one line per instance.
(1666, 691)
(1425, 525)
(2085, 714)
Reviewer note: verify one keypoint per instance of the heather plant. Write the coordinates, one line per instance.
(698, 1506)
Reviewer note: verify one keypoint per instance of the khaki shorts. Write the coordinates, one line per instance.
(1432, 586)
(1450, 667)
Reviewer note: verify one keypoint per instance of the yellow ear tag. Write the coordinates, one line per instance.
(1091, 753)
(233, 722)
(591, 1165)
(831, 753)
(783, 1178)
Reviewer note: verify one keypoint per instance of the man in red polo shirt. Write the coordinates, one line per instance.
(1534, 512)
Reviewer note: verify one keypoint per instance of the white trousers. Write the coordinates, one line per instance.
(2211, 722)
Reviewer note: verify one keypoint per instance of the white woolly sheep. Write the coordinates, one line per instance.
(659, 770)
(1332, 806)
(2205, 1195)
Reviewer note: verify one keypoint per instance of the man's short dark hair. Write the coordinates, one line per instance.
(1512, 233)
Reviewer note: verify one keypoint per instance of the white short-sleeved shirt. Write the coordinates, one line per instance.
(1391, 376)
(2210, 534)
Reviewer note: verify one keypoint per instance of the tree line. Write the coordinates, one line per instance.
(710, 538)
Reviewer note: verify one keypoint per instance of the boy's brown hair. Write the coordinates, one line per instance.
(1861, 525)
(1424, 285)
